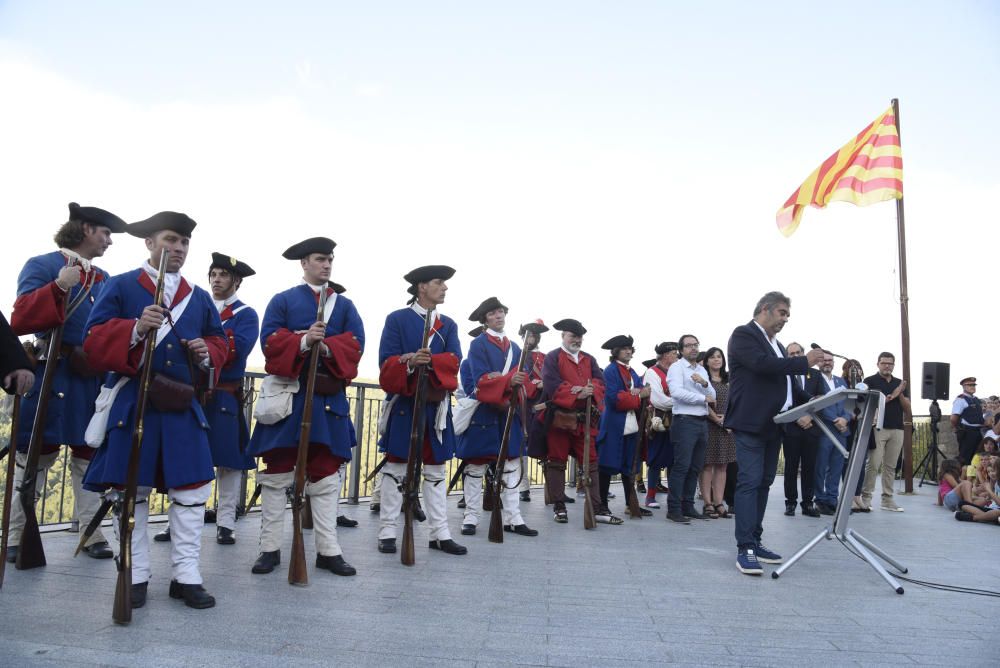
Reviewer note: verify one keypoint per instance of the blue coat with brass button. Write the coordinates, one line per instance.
(175, 450)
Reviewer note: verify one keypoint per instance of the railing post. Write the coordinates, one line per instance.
(359, 431)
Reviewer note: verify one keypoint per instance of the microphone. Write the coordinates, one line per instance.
(855, 372)
(816, 346)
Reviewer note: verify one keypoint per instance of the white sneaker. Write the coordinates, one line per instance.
(889, 504)
(652, 503)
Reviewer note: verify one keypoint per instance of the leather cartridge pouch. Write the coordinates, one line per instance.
(78, 362)
(562, 419)
(327, 384)
(663, 415)
(169, 395)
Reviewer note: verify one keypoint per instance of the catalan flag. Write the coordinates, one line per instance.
(867, 169)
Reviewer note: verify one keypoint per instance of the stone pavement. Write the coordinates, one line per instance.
(645, 593)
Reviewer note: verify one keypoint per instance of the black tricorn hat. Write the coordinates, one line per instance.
(231, 264)
(491, 304)
(425, 274)
(476, 331)
(95, 216)
(570, 325)
(665, 347)
(337, 287)
(537, 328)
(620, 341)
(309, 246)
(164, 220)
(649, 363)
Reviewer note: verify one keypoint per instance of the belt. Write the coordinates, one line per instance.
(690, 417)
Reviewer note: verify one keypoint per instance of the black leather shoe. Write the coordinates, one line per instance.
(645, 513)
(468, 529)
(138, 594)
(387, 545)
(163, 536)
(640, 487)
(461, 502)
(661, 489)
(520, 529)
(11, 556)
(335, 564)
(526, 496)
(99, 550)
(790, 508)
(695, 515)
(447, 546)
(825, 509)
(810, 510)
(224, 536)
(266, 562)
(344, 521)
(679, 518)
(193, 595)
(375, 507)
(568, 499)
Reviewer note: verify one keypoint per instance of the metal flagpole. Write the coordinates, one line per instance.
(904, 317)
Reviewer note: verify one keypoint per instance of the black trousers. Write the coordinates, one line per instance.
(968, 442)
(800, 450)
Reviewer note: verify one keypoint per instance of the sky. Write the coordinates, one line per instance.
(618, 163)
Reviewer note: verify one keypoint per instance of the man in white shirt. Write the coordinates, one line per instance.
(691, 393)
(660, 453)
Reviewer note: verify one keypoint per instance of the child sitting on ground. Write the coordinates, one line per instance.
(990, 510)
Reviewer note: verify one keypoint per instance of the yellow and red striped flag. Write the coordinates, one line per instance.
(867, 169)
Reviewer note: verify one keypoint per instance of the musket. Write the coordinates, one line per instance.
(589, 522)
(122, 612)
(371, 476)
(496, 515)
(297, 574)
(631, 496)
(418, 427)
(8, 489)
(30, 553)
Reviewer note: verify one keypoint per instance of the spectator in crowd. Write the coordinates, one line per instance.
(989, 489)
(800, 442)
(721, 449)
(949, 495)
(829, 460)
(967, 420)
(692, 394)
(888, 439)
(661, 452)
(853, 375)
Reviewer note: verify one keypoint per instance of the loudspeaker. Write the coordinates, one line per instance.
(936, 376)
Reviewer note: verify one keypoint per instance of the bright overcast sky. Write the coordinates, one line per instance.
(620, 163)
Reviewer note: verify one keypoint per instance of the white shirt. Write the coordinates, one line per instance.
(777, 351)
(657, 396)
(959, 407)
(575, 356)
(688, 396)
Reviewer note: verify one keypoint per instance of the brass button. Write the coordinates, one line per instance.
(121, 424)
(169, 363)
(60, 395)
(223, 409)
(327, 408)
(170, 346)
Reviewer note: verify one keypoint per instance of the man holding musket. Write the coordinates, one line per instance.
(223, 404)
(400, 355)
(494, 383)
(287, 335)
(59, 288)
(175, 455)
(569, 377)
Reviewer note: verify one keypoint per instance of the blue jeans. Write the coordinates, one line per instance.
(829, 467)
(689, 436)
(757, 459)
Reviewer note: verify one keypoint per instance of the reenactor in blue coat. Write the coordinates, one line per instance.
(400, 353)
(493, 383)
(619, 434)
(175, 456)
(224, 403)
(287, 334)
(59, 288)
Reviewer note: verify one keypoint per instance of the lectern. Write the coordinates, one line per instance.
(872, 404)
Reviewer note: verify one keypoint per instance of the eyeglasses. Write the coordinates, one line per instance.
(691, 345)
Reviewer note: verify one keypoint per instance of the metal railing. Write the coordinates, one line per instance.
(365, 399)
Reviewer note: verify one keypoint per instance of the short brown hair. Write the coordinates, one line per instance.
(70, 234)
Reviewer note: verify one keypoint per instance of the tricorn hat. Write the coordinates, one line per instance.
(620, 341)
(425, 274)
(490, 304)
(95, 216)
(570, 325)
(665, 347)
(309, 246)
(164, 220)
(537, 328)
(649, 363)
(476, 331)
(231, 264)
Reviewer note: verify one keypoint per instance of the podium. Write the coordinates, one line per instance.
(872, 404)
